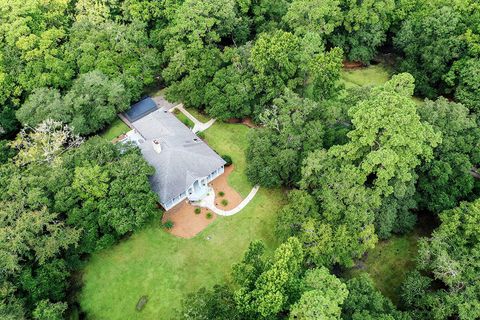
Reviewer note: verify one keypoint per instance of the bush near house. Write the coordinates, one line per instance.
(221, 193)
(168, 224)
(197, 210)
(227, 159)
(224, 202)
(209, 215)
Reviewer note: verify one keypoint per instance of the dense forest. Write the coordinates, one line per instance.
(360, 164)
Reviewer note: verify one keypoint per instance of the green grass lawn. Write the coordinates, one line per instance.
(199, 115)
(370, 76)
(189, 123)
(117, 128)
(389, 262)
(232, 140)
(155, 263)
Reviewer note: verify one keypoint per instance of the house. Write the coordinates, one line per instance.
(184, 164)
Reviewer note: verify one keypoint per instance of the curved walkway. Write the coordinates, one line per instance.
(198, 126)
(209, 202)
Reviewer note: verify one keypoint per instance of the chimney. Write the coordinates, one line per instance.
(156, 146)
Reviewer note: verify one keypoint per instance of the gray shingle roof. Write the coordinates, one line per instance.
(184, 157)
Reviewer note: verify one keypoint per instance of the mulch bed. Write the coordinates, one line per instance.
(187, 224)
(231, 195)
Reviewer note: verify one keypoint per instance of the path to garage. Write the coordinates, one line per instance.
(198, 126)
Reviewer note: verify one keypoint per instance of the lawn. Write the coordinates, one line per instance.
(370, 76)
(189, 123)
(232, 140)
(117, 128)
(388, 263)
(199, 115)
(165, 268)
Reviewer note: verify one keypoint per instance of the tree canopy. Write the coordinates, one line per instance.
(359, 163)
(450, 257)
(61, 198)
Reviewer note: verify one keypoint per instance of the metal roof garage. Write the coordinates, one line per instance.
(141, 109)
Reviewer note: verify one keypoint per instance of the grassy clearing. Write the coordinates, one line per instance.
(117, 128)
(388, 263)
(155, 263)
(369, 76)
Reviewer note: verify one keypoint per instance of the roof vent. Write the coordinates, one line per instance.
(156, 146)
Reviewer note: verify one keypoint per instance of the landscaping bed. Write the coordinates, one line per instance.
(226, 198)
(187, 221)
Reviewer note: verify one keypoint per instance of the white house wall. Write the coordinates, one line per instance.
(173, 202)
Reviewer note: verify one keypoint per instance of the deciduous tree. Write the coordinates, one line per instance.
(292, 129)
(323, 297)
(92, 102)
(271, 291)
(448, 179)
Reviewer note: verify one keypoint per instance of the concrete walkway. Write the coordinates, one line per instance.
(198, 126)
(209, 202)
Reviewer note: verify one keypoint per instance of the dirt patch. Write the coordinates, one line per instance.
(220, 184)
(352, 65)
(249, 123)
(186, 223)
(119, 138)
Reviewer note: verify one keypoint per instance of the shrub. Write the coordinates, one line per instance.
(201, 134)
(224, 202)
(227, 159)
(197, 210)
(168, 224)
(221, 193)
(209, 215)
